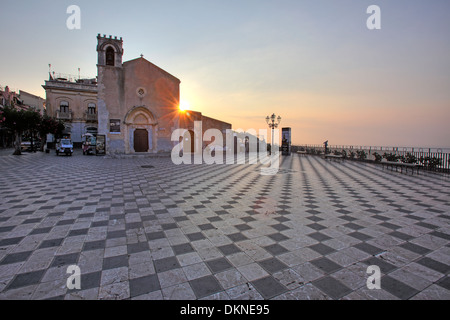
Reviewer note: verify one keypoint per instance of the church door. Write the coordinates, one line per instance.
(140, 140)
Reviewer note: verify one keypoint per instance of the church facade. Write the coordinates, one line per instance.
(138, 102)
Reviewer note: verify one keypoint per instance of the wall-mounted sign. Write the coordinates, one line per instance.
(101, 145)
(114, 125)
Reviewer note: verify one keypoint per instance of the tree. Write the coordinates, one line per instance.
(15, 122)
(49, 125)
(18, 122)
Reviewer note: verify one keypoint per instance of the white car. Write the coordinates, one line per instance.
(65, 146)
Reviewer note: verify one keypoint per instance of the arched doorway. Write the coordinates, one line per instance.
(140, 140)
(141, 130)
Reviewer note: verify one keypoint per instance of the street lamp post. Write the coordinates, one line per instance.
(273, 123)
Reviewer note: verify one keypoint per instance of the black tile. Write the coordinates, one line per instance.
(166, 264)
(397, 288)
(134, 225)
(319, 236)
(219, 265)
(434, 265)
(182, 248)
(242, 227)
(155, 235)
(51, 243)
(10, 241)
(137, 247)
(314, 218)
(41, 230)
(235, 237)
(427, 225)
(368, 248)
(90, 280)
(206, 226)
(268, 287)
(116, 234)
(332, 287)
(78, 232)
(196, 236)
(94, 245)
(26, 279)
(278, 237)
(16, 257)
(272, 265)
(382, 218)
(103, 223)
(144, 285)
(65, 222)
(215, 219)
(115, 262)
(444, 282)
(326, 265)
(415, 248)
(276, 249)
(66, 259)
(169, 226)
(322, 249)
(440, 235)
(390, 225)
(229, 249)
(34, 220)
(401, 235)
(205, 286)
(280, 227)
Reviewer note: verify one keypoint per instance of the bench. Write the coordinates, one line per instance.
(334, 157)
(402, 165)
(302, 153)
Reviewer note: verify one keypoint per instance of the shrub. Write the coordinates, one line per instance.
(361, 154)
(378, 157)
(391, 157)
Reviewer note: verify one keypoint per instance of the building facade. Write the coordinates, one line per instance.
(75, 103)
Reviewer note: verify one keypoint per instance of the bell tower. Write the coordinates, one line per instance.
(110, 94)
(110, 51)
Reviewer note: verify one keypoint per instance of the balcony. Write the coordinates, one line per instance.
(60, 115)
(90, 117)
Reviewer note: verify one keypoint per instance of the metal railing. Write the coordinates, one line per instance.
(432, 158)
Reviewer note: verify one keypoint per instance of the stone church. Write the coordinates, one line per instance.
(134, 104)
(138, 102)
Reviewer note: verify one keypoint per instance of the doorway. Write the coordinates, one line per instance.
(141, 140)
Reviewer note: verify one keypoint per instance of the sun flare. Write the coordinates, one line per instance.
(184, 105)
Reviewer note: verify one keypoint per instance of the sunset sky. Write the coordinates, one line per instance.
(313, 62)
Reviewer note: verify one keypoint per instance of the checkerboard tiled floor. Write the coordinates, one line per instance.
(143, 228)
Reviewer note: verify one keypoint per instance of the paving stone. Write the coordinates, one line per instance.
(204, 232)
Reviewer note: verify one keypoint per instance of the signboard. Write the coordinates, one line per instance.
(286, 141)
(114, 126)
(101, 145)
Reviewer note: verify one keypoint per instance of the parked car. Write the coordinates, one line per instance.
(64, 146)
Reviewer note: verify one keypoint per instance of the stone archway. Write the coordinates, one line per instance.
(140, 131)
